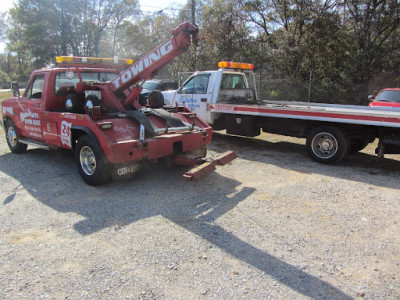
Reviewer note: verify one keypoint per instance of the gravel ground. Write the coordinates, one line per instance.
(270, 225)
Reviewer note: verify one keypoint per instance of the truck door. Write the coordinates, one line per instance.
(30, 116)
(195, 94)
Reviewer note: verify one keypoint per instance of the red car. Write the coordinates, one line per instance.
(387, 98)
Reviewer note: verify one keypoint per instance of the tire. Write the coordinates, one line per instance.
(155, 99)
(92, 101)
(357, 145)
(327, 144)
(73, 104)
(12, 138)
(92, 164)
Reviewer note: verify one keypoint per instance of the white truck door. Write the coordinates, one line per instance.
(195, 93)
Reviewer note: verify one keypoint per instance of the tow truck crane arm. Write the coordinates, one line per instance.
(152, 63)
(122, 93)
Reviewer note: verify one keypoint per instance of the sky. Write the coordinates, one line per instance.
(157, 5)
(146, 5)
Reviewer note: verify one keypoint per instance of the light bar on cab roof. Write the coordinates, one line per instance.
(235, 65)
(92, 60)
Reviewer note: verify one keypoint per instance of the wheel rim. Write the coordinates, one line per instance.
(88, 160)
(12, 136)
(324, 145)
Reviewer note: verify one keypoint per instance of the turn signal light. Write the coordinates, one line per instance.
(106, 125)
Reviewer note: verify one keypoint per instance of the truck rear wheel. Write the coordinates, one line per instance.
(92, 164)
(327, 144)
(12, 138)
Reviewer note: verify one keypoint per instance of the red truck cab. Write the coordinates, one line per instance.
(36, 114)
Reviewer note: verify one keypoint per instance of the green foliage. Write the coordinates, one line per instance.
(344, 44)
(4, 76)
(40, 30)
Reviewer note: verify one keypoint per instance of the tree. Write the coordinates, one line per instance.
(47, 28)
(374, 25)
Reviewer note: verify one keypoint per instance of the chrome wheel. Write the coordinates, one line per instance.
(87, 160)
(324, 145)
(327, 144)
(92, 164)
(12, 136)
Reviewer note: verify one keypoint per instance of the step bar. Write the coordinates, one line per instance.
(30, 143)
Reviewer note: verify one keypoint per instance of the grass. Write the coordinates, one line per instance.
(5, 95)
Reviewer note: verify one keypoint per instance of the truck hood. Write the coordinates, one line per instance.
(169, 97)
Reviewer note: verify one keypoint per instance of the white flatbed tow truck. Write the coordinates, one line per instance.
(226, 99)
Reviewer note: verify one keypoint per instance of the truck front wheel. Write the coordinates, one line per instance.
(92, 164)
(12, 138)
(327, 144)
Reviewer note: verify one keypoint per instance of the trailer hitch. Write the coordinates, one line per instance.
(207, 167)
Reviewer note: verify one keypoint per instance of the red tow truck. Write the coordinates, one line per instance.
(90, 105)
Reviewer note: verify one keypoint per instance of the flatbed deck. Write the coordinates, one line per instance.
(349, 114)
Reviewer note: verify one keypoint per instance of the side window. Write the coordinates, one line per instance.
(197, 85)
(65, 85)
(36, 88)
(233, 81)
(391, 96)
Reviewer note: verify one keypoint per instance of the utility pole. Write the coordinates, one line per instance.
(193, 12)
(194, 61)
(309, 87)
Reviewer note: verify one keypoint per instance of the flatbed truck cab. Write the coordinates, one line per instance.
(232, 82)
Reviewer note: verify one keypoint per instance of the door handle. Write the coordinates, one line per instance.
(203, 99)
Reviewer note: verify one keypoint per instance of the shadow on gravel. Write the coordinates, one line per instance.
(52, 178)
(293, 156)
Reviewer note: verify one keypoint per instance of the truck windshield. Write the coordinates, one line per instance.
(151, 85)
(389, 96)
(36, 87)
(64, 83)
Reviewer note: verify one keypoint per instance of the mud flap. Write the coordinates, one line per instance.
(209, 166)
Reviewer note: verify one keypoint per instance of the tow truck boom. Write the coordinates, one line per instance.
(120, 93)
(157, 59)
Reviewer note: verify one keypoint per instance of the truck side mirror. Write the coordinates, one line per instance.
(371, 97)
(15, 88)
